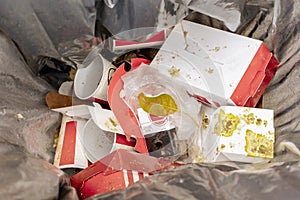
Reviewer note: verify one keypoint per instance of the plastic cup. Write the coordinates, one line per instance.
(92, 81)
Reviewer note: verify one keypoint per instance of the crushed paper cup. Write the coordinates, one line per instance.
(116, 171)
(92, 81)
(98, 143)
(69, 151)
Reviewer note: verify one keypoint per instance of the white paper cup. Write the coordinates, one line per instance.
(98, 143)
(92, 81)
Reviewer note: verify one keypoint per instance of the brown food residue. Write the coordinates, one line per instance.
(113, 122)
(205, 121)
(216, 49)
(185, 33)
(223, 146)
(258, 122)
(210, 70)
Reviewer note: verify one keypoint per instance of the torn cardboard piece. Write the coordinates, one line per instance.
(68, 105)
(69, 151)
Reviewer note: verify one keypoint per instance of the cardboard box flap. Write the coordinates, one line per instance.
(258, 75)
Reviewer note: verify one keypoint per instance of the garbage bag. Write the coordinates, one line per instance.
(25, 119)
(39, 27)
(27, 177)
(217, 181)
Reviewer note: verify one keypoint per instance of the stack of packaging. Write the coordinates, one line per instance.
(194, 102)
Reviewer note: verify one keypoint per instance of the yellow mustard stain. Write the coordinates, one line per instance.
(265, 123)
(227, 124)
(258, 145)
(205, 121)
(174, 72)
(249, 119)
(258, 122)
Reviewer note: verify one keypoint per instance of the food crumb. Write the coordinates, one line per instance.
(217, 49)
(210, 70)
(222, 146)
(174, 72)
(20, 116)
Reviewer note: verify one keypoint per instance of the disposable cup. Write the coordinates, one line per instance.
(98, 143)
(92, 81)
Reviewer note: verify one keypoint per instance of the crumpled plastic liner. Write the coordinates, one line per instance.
(27, 129)
(26, 177)
(134, 14)
(201, 181)
(25, 119)
(38, 27)
(27, 126)
(119, 16)
(230, 12)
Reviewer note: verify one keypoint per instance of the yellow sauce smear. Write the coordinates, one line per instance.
(227, 124)
(258, 145)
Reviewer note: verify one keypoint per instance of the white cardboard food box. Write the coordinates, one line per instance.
(240, 134)
(221, 68)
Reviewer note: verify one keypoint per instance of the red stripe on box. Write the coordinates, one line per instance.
(98, 100)
(121, 139)
(130, 177)
(69, 144)
(256, 78)
(160, 36)
(141, 175)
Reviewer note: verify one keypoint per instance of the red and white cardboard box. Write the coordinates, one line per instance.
(69, 151)
(222, 68)
(239, 134)
(116, 171)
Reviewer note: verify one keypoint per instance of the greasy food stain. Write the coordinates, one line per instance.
(227, 124)
(258, 145)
